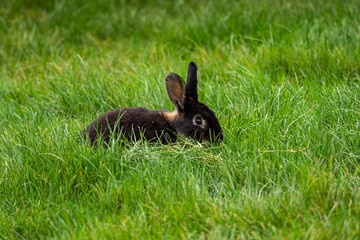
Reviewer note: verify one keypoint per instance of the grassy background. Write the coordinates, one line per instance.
(282, 77)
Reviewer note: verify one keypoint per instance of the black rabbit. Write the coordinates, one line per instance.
(191, 118)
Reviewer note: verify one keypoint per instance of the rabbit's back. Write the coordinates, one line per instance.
(132, 124)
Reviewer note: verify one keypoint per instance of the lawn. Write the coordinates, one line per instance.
(281, 76)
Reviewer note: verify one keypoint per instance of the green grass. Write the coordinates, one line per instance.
(282, 77)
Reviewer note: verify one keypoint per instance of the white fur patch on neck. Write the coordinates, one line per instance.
(170, 116)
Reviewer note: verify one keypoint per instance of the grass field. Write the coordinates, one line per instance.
(282, 77)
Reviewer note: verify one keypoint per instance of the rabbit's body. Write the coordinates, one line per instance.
(133, 124)
(191, 118)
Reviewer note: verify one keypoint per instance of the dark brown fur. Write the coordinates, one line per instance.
(133, 124)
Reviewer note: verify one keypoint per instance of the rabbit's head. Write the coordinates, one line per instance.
(192, 118)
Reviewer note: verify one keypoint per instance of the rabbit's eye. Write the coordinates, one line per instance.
(198, 120)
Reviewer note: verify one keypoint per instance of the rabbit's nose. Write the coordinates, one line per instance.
(220, 137)
(217, 138)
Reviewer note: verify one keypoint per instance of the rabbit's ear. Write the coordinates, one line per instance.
(175, 87)
(192, 79)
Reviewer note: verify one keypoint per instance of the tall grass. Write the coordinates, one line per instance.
(282, 77)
